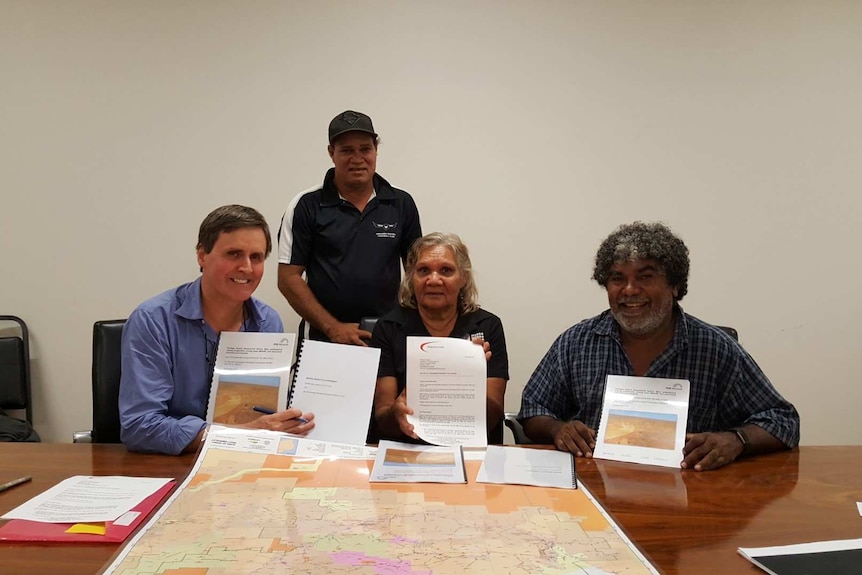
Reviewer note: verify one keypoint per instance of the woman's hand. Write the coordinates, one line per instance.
(485, 345)
(400, 411)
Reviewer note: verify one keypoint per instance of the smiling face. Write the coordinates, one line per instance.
(354, 156)
(639, 296)
(232, 270)
(437, 280)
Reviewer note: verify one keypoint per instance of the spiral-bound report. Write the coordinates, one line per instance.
(336, 383)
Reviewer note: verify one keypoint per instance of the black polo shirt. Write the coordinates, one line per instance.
(390, 335)
(352, 259)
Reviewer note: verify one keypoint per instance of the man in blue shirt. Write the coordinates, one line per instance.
(733, 408)
(169, 341)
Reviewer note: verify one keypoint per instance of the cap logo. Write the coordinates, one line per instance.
(349, 118)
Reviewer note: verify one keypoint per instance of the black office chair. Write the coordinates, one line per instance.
(15, 370)
(729, 331)
(511, 421)
(107, 337)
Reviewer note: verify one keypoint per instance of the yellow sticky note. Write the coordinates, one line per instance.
(90, 528)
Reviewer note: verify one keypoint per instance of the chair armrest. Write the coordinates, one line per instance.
(511, 421)
(82, 437)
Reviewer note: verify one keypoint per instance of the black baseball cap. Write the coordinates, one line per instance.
(350, 121)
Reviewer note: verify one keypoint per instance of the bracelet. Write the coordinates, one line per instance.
(743, 438)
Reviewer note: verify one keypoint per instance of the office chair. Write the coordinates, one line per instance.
(368, 323)
(729, 331)
(511, 421)
(15, 370)
(107, 337)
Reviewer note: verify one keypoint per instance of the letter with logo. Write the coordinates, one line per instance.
(643, 420)
(447, 389)
(251, 375)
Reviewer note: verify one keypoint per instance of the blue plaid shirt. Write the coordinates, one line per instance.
(728, 388)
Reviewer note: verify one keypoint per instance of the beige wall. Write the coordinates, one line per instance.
(530, 128)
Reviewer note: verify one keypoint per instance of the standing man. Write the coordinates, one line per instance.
(349, 236)
(169, 342)
(733, 409)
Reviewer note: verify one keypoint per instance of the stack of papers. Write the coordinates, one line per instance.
(86, 508)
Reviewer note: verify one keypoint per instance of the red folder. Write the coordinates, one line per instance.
(23, 530)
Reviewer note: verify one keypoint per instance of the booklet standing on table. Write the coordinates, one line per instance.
(252, 370)
(643, 420)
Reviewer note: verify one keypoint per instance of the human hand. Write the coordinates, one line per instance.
(400, 411)
(705, 451)
(575, 437)
(289, 420)
(348, 333)
(485, 345)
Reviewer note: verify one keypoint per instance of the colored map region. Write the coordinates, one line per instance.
(253, 513)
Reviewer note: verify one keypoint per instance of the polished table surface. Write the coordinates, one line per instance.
(683, 521)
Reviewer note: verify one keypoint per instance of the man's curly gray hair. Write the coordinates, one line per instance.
(640, 240)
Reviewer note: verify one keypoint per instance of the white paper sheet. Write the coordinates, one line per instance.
(522, 466)
(643, 420)
(408, 463)
(88, 499)
(336, 382)
(447, 390)
(265, 441)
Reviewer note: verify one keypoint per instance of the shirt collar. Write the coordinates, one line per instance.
(191, 306)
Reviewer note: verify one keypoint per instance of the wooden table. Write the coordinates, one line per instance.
(50, 463)
(684, 522)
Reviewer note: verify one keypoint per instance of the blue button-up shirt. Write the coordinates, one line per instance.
(728, 388)
(168, 353)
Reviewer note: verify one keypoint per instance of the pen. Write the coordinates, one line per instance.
(267, 411)
(15, 482)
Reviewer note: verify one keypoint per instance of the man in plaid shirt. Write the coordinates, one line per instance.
(733, 408)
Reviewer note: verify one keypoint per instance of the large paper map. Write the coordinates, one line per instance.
(256, 505)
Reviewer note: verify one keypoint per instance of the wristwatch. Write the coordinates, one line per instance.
(743, 438)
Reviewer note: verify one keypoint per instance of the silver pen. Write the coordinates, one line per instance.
(14, 482)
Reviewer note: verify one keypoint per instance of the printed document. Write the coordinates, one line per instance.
(643, 420)
(87, 499)
(447, 390)
(252, 370)
(336, 382)
(522, 466)
(409, 463)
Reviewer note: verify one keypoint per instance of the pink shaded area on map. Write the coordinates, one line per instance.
(381, 565)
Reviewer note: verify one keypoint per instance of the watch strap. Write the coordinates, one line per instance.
(743, 438)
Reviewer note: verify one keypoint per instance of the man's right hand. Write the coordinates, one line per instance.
(290, 420)
(575, 437)
(348, 333)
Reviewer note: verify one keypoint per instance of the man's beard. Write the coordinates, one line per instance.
(644, 324)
